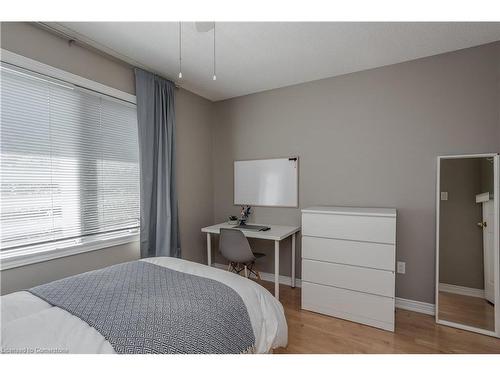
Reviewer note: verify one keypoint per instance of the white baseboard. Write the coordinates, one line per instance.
(463, 290)
(401, 303)
(417, 306)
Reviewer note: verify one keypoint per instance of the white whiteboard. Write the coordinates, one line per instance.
(267, 182)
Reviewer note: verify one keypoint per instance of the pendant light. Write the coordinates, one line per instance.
(180, 50)
(215, 76)
(201, 27)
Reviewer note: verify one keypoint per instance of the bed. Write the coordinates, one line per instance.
(30, 324)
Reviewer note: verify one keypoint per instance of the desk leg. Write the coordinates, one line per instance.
(293, 261)
(277, 269)
(209, 250)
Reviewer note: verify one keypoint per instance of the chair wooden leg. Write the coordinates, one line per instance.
(257, 273)
(246, 272)
(229, 266)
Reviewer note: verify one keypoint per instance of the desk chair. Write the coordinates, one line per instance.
(234, 246)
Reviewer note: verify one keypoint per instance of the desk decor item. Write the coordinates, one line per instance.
(245, 212)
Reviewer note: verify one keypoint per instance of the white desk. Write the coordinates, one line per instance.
(277, 233)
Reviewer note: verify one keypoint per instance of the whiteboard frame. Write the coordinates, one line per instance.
(273, 158)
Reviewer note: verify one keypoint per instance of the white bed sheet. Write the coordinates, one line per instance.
(31, 325)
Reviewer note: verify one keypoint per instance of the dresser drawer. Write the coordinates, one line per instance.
(363, 308)
(366, 254)
(358, 228)
(361, 279)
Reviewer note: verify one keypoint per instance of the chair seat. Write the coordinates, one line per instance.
(234, 246)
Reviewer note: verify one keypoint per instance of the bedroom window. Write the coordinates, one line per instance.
(69, 164)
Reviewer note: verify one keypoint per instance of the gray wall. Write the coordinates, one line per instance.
(368, 139)
(194, 172)
(30, 41)
(194, 118)
(460, 239)
(365, 139)
(487, 178)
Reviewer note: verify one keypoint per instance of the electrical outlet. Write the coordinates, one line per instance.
(401, 267)
(444, 195)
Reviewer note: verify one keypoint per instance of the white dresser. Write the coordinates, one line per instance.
(348, 263)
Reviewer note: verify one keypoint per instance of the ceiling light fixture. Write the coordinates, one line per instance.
(215, 76)
(180, 50)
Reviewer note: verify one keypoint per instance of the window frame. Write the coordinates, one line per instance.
(30, 254)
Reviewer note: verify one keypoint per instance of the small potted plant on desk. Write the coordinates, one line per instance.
(233, 220)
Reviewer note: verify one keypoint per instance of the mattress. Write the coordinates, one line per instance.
(31, 325)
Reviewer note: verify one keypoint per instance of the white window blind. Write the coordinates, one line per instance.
(69, 161)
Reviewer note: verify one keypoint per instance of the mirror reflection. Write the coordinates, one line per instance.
(466, 242)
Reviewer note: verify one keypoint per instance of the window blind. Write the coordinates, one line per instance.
(69, 163)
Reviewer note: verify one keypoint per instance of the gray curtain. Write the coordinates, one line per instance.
(156, 121)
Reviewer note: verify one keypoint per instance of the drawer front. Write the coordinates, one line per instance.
(363, 308)
(365, 254)
(361, 279)
(345, 227)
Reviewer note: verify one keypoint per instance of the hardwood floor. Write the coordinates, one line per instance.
(472, 311)
(309, 332)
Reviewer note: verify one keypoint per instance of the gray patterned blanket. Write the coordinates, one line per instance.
(140, 307)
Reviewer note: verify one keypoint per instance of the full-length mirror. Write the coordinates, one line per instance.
(467, 242)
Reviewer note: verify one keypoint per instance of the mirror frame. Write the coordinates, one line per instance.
(496, 245)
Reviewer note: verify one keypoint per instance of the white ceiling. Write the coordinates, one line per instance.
(258, 56)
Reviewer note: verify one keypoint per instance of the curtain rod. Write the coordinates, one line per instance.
(108, 52)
